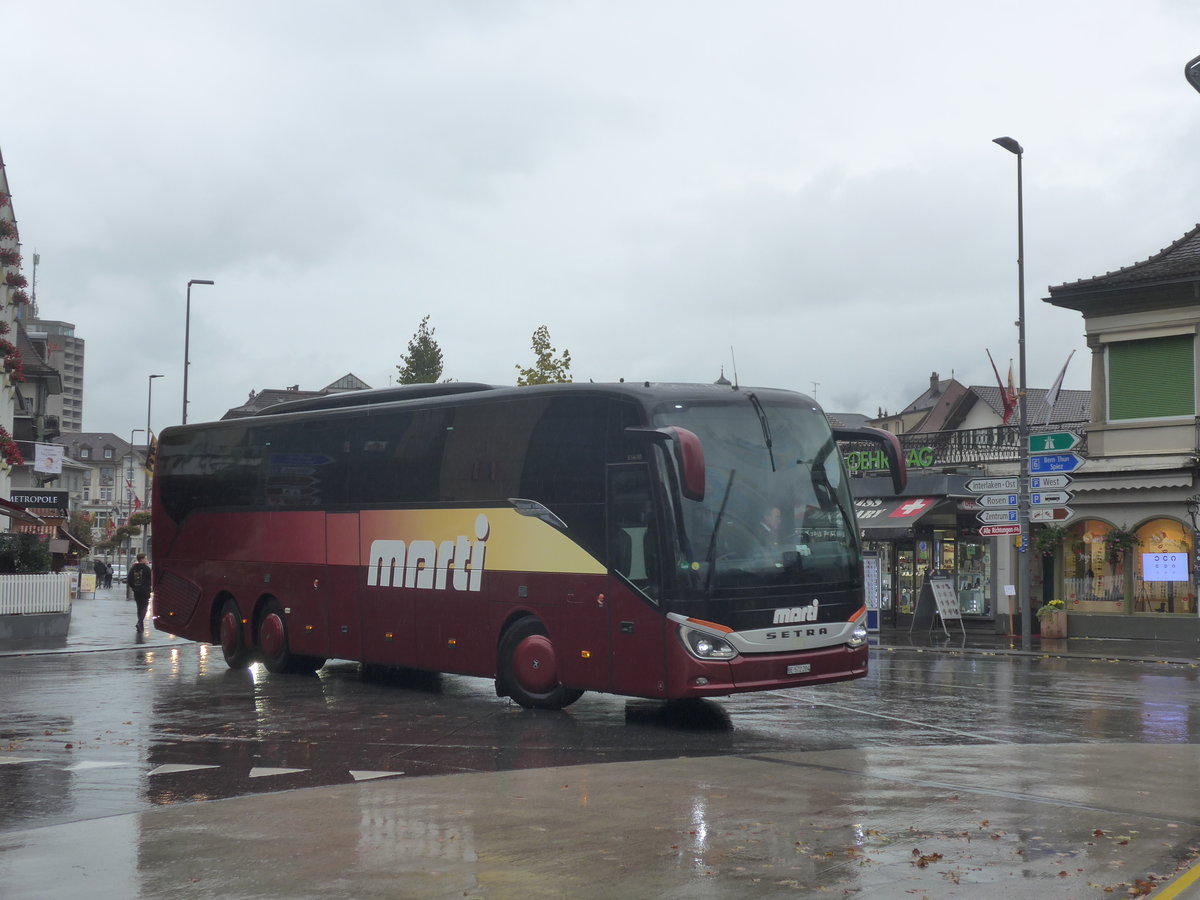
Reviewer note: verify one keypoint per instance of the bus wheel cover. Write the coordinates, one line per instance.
(529, 668)
(233, 640)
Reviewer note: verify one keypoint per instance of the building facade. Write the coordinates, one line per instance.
(106, 478)
(63, 352)
(1125, 562)
(952, 434)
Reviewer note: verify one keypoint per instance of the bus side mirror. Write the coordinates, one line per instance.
(689, 455)
(888, 443)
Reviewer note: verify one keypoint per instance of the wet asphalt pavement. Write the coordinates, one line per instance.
(951, 771)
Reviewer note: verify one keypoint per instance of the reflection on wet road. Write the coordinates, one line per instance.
(85, 735)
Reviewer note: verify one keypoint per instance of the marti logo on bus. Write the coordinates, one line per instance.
(797, 614)
(427, 565)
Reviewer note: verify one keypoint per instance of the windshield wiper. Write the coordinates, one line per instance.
(712, 544)
(764, 425)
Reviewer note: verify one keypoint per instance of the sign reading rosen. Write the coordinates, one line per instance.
(875, 461)
(427, 564)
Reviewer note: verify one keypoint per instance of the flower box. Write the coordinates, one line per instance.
(1054, 625)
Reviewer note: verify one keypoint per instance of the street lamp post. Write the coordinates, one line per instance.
(1016, 149)
(187, 336)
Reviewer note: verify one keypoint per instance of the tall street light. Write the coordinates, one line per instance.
(1013, 147)
(187, 336)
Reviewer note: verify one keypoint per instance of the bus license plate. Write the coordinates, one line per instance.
(802, 669)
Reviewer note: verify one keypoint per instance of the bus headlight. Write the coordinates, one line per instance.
(706, 646)
(858, 636)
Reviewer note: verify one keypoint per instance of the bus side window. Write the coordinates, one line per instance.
(633, 528)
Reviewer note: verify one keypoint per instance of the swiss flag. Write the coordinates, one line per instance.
(910, 508)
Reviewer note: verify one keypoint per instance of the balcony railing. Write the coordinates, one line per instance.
(974, 446)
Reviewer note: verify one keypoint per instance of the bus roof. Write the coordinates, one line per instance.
(644, 393)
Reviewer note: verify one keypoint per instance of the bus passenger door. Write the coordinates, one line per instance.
(635, 583)
(343, 583)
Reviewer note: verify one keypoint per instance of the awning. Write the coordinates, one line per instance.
(891, 517)
(1081, 483)
(74, 540)
(8, 508)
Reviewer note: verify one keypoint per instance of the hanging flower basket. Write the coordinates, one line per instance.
(9, 451)
(8, 229)
(16, 280)
(1117, 543)
(1050, 538)
(19, 296)
(5, 199)
(9, 257)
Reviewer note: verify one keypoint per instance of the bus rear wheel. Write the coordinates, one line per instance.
(528, 668)
(233, 636)
(274, 646)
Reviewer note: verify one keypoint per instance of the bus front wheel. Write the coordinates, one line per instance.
(233, 636)
(528, 669)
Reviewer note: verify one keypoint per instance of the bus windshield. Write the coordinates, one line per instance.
(777, 509)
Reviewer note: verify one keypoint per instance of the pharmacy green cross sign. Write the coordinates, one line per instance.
(1053, 442)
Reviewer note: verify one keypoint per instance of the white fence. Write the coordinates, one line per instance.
(25, 594)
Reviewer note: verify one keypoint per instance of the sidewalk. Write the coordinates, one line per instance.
(985, 642)
(104, 621)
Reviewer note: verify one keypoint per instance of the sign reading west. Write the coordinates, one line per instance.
(1048, 482)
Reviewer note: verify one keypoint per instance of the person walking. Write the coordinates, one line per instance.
(138, 580)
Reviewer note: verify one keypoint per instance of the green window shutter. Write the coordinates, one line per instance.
(1152, 379)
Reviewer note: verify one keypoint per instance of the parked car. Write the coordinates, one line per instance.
(118, 572)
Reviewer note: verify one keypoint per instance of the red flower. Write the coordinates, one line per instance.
(16, 279)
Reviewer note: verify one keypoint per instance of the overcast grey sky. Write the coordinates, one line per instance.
(812, 185)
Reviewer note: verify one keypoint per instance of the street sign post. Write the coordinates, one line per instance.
(992, 500)
(1054, 442)
(1050, 498)
(1048, 482)
(998, 515)
(990, 485)
(997, 530)
(1050, 514)
(1048, 463)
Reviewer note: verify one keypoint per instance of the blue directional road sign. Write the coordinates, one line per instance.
(1045, 463)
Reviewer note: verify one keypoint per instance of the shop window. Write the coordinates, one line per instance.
(1091, 581)
(1161, 565)
(974, 577)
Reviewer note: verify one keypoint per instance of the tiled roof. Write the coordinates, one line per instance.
(1181, 260)
(1071, 406)
(848, 420)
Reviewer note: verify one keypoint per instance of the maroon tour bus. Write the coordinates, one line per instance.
(653, 540)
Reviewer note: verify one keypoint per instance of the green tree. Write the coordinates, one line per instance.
(80, 527)
(546, 368)
(423, 362)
